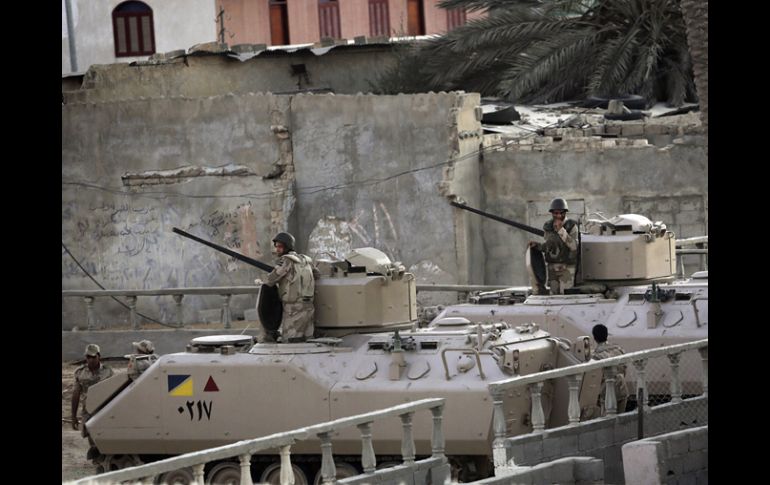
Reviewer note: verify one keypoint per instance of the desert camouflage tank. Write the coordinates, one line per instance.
(371, 355)
(626, 280)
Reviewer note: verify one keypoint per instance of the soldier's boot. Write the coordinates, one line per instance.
(271, 337)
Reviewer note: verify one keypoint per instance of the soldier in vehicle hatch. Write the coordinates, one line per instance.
(295, 275)
(560, 249)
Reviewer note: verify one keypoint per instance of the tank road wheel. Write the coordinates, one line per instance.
(225, 473)
(117, 462)
(344, 470)
(272, 475)
(183, 476)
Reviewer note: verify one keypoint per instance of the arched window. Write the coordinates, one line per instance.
(329, 18)
(133, 29)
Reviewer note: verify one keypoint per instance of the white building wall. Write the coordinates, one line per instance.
(178, 24)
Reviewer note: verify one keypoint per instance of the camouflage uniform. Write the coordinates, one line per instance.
(84, 379)
(604, 351)
(295, 276)
(560, 251)
(138, 363)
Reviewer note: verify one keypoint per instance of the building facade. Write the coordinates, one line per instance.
(282, 22)
(109, 31)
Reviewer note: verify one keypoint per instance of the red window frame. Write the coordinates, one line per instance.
(329, 19)
(455, 18)
(379, 18)
(124, 18)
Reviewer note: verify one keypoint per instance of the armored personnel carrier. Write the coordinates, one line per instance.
(626, 280)
(373, 355)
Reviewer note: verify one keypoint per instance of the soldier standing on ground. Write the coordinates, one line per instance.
(143, 358)
(295, 275)
(86, 376)
(560, 248)
(605, 350)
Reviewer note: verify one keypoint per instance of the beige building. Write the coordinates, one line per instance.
(281, 22)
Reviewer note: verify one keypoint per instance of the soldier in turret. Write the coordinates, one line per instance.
(560, 249)
(295, 275)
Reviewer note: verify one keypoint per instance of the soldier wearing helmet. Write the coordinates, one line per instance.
(87, 375)
(295, 275)
(560, 248)
(143, 358)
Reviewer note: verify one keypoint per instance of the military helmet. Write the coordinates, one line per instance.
(558, 204)
(92, 350)
(285, 238)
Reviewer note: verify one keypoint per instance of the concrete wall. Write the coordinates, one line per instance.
(564, 471)
(603, 438)
(674, 458)
(248, 21)
(346, 70)
(612, 177)
(241, 168)
(94, 38)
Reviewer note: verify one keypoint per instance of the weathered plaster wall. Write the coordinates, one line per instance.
(668, 184)
(123, 190)
(122, 234)
(347, 150)
(344, 70)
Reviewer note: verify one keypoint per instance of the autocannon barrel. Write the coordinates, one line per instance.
(519, 225)
(238, 256)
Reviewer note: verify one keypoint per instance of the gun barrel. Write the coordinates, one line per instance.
(238, 256)
(519, 225)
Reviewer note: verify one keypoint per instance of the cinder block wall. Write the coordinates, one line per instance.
(564, 471)
(674, 458)
(603, 438)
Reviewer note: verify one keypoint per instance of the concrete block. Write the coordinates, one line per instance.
(702, 477)
(699, 440)
(440, 474)
(551, 448)
(533, 452)
(568, 445)
(605, 436)
(672, 466)
(641, 462)
(677, 444)
(686, 479)
(613, 129)
(609, 144)
(632, 129)
(587, 441)
(251, 315)
(694, 461)
(650, 129)
(591, 469)
(561, 471)
(517, 453)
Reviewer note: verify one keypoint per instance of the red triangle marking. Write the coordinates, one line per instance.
(211, 386)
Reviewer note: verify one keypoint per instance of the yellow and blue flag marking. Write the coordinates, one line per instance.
(180, 385)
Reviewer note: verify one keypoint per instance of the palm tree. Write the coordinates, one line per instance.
(548, 51)
(696, 18)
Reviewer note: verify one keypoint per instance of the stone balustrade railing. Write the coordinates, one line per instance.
(574, 374)
(283, 441)
(226, 292)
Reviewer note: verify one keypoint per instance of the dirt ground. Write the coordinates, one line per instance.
(74, 447)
